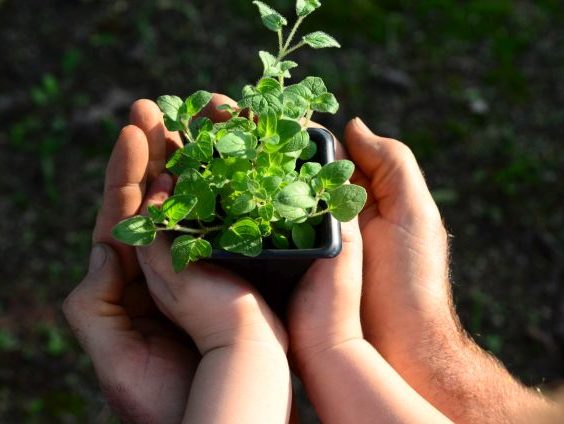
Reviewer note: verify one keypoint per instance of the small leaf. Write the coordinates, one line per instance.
(273, 20)
(280, 241)
(239, 203)
(192, 183)
(181, 162)
(269, 86)
(303, 236)
(266, 212)
(177, 207)
(309, 152)
(261, 103)
(296, 144)
(346, 202)
(156, 214)
(271, 184)
(325, 103)
(186, 249)
(237, 144)
(288, 129)
(264, 227)
(135, 231)
(267, 125)
(315, 85)
(335, 174)
(202, 149)
(305, 7)
(243, 237)
(309, 170)
(274, 68)
(197, 101)
(297, 194)
(320, 40)
(170, 105)
(200, 125)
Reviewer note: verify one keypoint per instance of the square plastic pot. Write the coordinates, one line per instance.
(275, 272)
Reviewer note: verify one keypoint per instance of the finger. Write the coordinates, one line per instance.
(395, 178)
(123, 192)
(211, 112)
(330, 292)
(92, 309)
(147, 116)
(158, 191)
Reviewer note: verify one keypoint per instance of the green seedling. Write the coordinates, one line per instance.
(249, 181)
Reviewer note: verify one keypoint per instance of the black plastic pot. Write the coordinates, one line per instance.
(275, 272)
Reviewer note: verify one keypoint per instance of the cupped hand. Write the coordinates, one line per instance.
(144, 364)
(407, 306)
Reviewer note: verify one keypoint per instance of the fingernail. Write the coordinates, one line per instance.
(97, 258)
(361, 126)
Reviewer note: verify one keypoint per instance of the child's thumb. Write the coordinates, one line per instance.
(104, 280)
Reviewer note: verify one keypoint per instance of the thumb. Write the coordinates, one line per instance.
(396, 180)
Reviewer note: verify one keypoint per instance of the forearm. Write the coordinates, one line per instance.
(241, 383)
(353, 383)
(469, 385)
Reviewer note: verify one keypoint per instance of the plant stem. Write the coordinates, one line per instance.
(203, 231)
(293, 49)
(320, 213)
(280, 42)
(284, 52)
(308, 116)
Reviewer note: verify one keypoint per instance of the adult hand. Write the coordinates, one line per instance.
(407, 307)
(144, 365)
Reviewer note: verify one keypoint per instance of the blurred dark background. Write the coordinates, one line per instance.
(474, 87)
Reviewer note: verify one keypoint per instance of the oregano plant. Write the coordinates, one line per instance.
(249, 182)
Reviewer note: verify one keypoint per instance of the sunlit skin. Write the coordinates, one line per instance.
(147, 366)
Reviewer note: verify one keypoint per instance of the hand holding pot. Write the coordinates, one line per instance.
(144, 365)
(407, 308)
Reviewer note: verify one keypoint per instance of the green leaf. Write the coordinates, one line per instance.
(280, 241)
(170, 105)
(325, 103)
(274, 68)
(269, 86)
(303, 236)
(288, 129)
(315, 85)
(320, 40)
(136, 231)
(181, 162)
(197, 101)
(267, 125)
(261, 103)
(237, 144)
(266, 212)
(273, 20)
(202, 149)
(291, 213)
(186, 249)
(335, 174)
(271, 184)
(177, 207)
(297, 194)
(305, 7)
(309, 170)
(346, 202)
(264, 227)
(237, 124)
(309, 152)
(156, 214)
(192, 183)
(243, 237)
(200, 125)
(296, 144)
(238, 203)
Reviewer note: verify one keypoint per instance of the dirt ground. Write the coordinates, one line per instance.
(475, 88)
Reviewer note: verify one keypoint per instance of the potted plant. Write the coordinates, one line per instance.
(260, 192)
